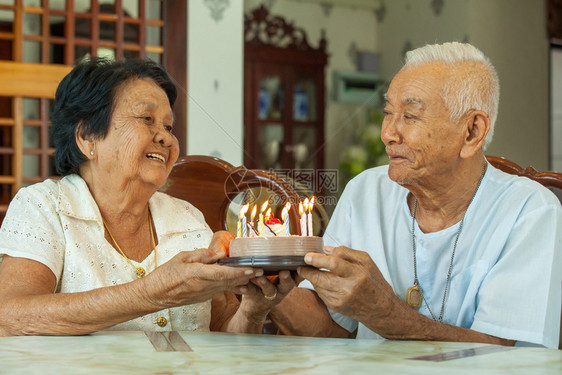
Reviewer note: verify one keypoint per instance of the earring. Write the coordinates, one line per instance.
(92, 153)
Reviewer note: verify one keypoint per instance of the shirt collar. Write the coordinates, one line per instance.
(75, 200)
(166, 210)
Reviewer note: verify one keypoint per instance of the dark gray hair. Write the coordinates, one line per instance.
(85, 98)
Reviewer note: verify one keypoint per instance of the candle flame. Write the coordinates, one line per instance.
(311, 204)
(288, 206)
(284, 212)
(243, 211)
(264, 206)
(301, 210)
(268, 213)
(253, 214)
(305, 204)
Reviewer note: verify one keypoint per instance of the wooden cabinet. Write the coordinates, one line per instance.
(284, 95)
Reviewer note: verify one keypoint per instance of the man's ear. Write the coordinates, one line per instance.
(85, 144)
(477, 127)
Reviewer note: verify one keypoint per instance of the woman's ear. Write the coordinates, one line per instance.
(477, 128)
(85, 144)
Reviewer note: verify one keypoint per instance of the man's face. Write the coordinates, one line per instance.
(421, 142)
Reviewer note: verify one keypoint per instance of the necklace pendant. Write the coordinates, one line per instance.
(140, 272)
(414, 296)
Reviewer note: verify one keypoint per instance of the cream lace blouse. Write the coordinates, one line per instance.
(58, 224)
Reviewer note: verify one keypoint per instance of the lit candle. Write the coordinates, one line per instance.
(260, 222)
(302, 218)
(310, 206)
(239, 226)
(305, 206)
(243, 212)
(268, 214)
(285, 217)
(252, 216)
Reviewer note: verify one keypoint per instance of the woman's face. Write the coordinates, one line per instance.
(139, 146)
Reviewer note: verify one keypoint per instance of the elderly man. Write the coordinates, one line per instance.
(447, 247)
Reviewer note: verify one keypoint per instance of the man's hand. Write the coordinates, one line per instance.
(354, 286)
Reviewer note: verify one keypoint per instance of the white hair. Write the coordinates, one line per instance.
(472, 84)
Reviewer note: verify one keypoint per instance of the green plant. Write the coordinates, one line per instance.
(366, 152)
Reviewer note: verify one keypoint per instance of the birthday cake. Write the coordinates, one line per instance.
(269, 244)
(275, 246)
(274, 241)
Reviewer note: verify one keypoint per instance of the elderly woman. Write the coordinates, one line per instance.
(102, 248)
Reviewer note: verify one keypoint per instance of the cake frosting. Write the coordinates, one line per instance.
(275, 246)
(274, 230)
(274, 242)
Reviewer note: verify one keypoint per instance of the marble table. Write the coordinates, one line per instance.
(217, 353)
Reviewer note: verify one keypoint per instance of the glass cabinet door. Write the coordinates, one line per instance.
(270, 143)
(304, 100)
(286, 118)
(304, 147)
(271, 101)
(286, 140)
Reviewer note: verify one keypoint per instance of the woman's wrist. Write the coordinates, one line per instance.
(147, 289)
(253, 314)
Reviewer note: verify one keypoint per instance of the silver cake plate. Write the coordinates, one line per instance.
(267, 263)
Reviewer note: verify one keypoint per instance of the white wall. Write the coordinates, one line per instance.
(215, 82)
(409, 24)
(512, 33)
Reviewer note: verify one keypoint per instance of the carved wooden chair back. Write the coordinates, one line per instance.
(212, 184)
(549, 179)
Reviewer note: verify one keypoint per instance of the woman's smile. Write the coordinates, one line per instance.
(156, 157)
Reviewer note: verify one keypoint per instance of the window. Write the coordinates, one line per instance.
(46, 37)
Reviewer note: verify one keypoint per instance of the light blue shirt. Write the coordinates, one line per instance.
(506, 278)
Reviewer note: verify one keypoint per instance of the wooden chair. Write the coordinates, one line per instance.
(551, 180)
(218, 189)
(547, 178)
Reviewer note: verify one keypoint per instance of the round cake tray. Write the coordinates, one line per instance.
(267, 263)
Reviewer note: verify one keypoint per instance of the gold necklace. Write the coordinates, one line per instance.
(139, 270)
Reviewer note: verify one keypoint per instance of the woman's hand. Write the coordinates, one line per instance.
(220, 243)
(266, 292)
(189, 277)
(259, 297)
